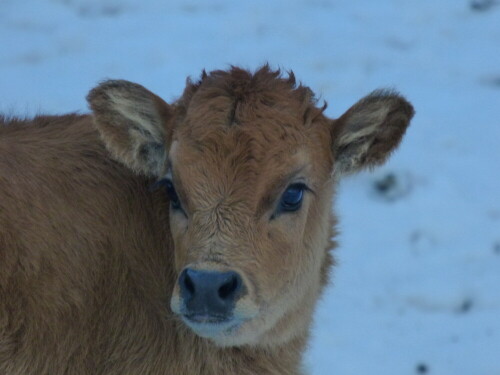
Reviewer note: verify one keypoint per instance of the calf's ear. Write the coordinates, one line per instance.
(369, 131)
(134, 124)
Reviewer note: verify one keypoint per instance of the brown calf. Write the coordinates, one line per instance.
(201, 250)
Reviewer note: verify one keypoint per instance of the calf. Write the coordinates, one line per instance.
(184, 238)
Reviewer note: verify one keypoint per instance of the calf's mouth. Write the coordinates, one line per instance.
(210, 302)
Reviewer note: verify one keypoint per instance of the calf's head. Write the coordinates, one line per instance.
(249, 163)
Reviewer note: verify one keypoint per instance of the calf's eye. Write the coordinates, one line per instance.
(172, 195)
(291, 200)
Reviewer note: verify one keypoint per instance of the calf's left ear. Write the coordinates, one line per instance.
(369, 131)
(134, 124)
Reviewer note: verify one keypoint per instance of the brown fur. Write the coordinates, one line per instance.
(89, 255)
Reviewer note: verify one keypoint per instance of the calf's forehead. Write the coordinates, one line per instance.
(245, 158)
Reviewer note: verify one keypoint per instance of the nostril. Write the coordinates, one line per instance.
(186, 283)
(189, 284)
(230, 288)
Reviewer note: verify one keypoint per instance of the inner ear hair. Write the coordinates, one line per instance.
(370, 130)
(133, 122)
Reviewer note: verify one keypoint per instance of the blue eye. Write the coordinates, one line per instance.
(291, 200)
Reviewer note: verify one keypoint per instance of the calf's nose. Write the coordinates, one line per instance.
(209, 294)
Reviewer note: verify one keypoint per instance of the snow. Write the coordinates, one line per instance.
(417, 287)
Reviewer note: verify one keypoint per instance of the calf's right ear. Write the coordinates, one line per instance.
(133, 123)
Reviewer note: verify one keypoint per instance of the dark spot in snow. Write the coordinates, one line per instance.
(465, 306)
(496, 248)
(391, 186)
(491, 80)
(386, 183)
(32, 57)
(495, 81)
(99, 10)
(422, 368)
(189, 8)
(494, 214)
(482, 5)
(399, 44)
(415, 236)
(422, 241)
(195, 7)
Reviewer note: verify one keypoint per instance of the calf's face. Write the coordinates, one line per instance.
(249, 165)
(250, 223)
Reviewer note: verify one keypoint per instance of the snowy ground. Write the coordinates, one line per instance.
(417, 289)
